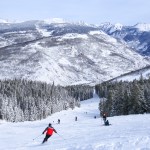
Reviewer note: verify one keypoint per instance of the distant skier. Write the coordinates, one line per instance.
(58, 121)
(95, 117)
(49, 131)
(76, 119)
(107, 123)
(104, 117)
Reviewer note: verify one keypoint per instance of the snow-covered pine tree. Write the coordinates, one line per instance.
(124, 98)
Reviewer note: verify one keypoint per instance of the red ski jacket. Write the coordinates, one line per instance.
(49, 131)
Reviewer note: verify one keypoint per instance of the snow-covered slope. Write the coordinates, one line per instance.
(3, 21)
(126, 132)
(142, 26)
(137, 36)
(137, 74)
(63, 52)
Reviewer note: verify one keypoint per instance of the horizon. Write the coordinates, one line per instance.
(57, 20)
(126, 12)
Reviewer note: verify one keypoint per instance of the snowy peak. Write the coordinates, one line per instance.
(118, 26)
(137, 36)
(143, 27)
(115, 27)
(3, 21)
(105, 26)
(111, 27)
(55, 20)
(62, 21)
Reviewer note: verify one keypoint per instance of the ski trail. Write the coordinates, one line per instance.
(87, 133)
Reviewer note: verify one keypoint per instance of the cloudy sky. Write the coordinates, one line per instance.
(127, 12)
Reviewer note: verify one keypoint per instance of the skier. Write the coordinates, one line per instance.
(75, 118)
(49, 131)
(107, 123)
(104, 117)
(58, 121)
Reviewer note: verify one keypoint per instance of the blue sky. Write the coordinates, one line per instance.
(127, 12)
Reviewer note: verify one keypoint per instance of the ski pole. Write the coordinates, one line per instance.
(61, 136)
(37, 137)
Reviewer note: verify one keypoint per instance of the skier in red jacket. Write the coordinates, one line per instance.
(49, 131)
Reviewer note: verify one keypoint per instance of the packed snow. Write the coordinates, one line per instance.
(87, 133)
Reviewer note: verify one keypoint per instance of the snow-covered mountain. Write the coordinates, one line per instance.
(137, 36)
(63, 52)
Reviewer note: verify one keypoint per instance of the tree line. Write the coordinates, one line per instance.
(124, 98)
(22, 100)
(80, 92)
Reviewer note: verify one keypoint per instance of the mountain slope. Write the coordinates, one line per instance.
(137, 36)
(126, 132)
(65, 53)
(137, 74)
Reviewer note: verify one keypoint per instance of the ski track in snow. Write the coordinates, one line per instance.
(126, 132)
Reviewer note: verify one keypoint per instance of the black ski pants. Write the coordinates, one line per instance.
(46, 138)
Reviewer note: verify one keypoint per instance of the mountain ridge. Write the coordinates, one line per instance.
(136, 36)
(66, 53)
